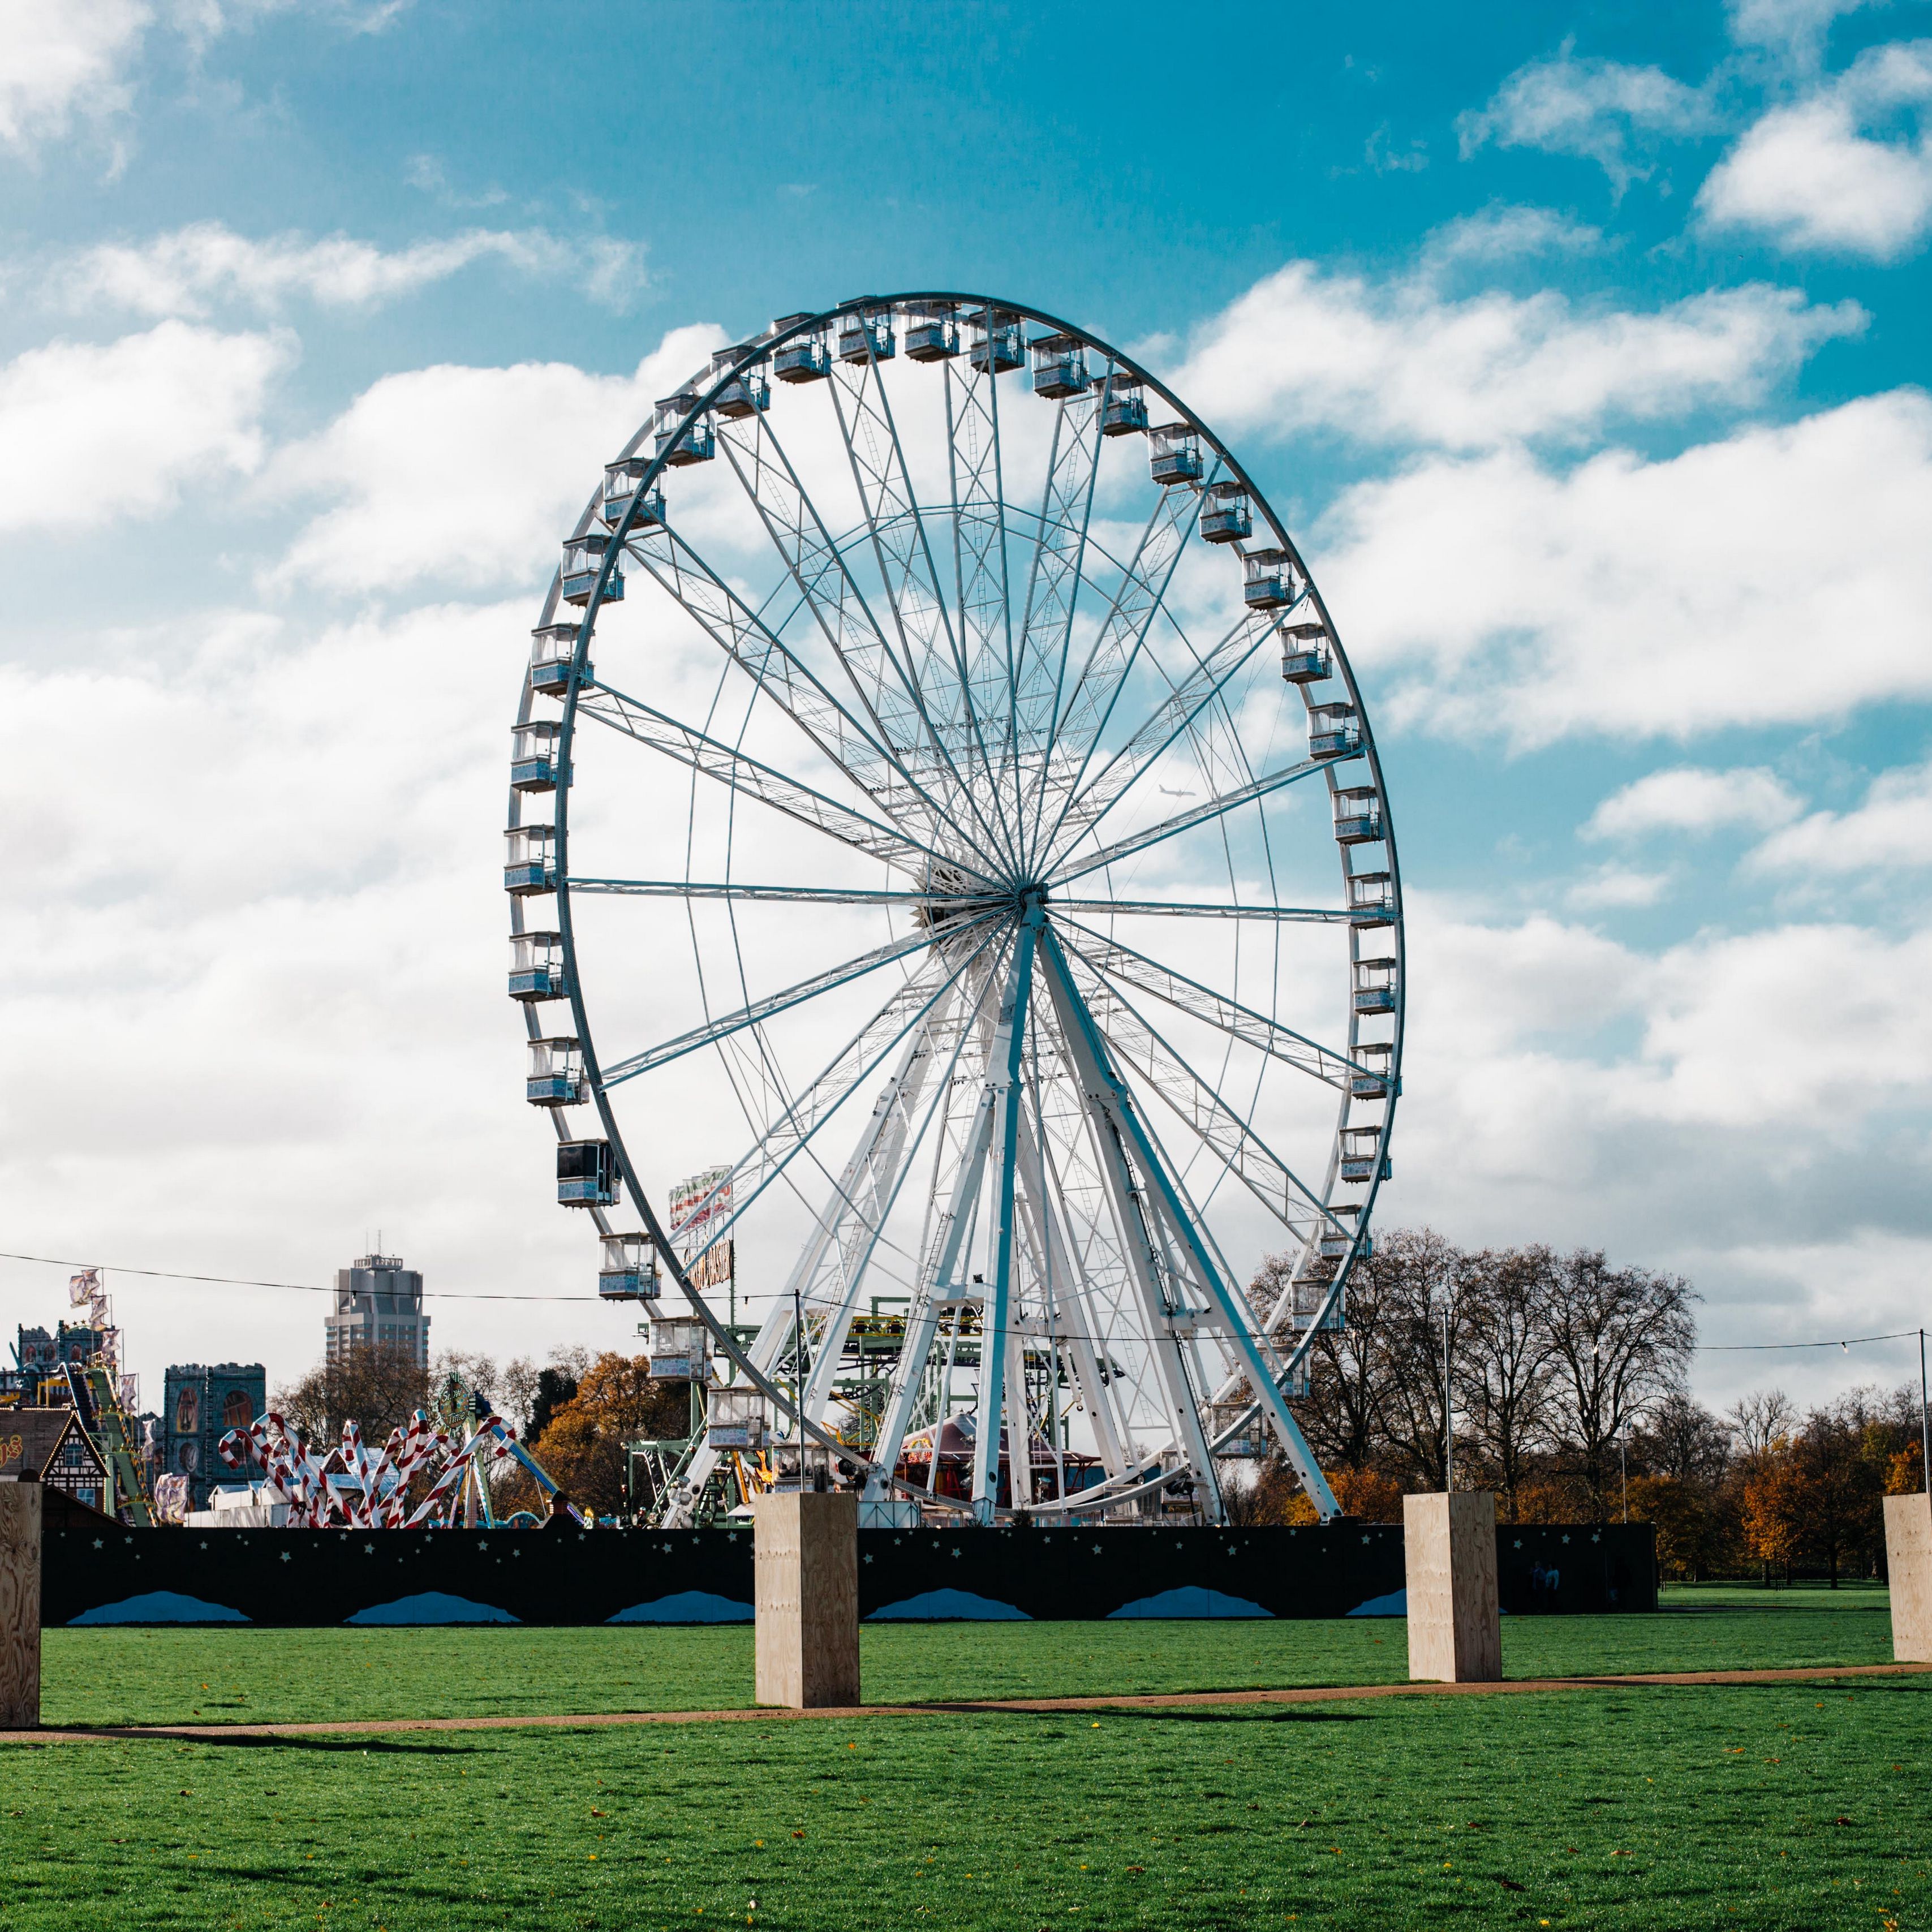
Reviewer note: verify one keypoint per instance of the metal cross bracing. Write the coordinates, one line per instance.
(1037, 932)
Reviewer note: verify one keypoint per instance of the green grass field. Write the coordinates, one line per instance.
(218, 1674)
(1797, 1806)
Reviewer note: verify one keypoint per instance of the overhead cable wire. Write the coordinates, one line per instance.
(470, 1294)
(295, 1287)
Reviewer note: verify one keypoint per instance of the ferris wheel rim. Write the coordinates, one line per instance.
(754, 351)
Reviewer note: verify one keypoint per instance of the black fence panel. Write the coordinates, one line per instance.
(568, 1575)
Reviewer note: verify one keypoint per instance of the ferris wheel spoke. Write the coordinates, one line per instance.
(1217, 807)
(772, 1004)
(911, 1005)
(904, 556)
(750, 779)
(980, 532)
(1088, 706)
(1203, 1111)
(759, 650)
(751, 895)
(1053, 583)
(1114, 961)
(1194, 909)
(887, 686)
(1175, 714)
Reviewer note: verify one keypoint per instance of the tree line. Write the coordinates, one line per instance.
(1567, 1380)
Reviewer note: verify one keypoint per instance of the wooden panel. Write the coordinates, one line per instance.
(807, 1597)
(1449, 1547)
(1908, 1558)
(19, 1606)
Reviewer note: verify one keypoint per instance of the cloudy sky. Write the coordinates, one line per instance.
(1584, 351)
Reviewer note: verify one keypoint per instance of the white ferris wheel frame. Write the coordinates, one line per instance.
(1006, 943)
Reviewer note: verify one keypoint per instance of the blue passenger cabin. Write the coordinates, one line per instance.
(1371, 898)
(587, 1174)
(997, 342)
(1268, 579)
(529, 862)
(1358, 815)
(678, 442)
(621, 479)
(583, 560)
(1336, 1239)
(1334, 731)
(628, 1270)
(931, 334)
(1250, 1442)
(1375, 1061)
(1306, 655)
(1175, 454)
(865, 335)
(748, 393)
(805, 359)
(1226, 515)
(536, 967)
(535, 762)
(680, 1348)
(1125, 411)
(553, 649)
(734, 1418)
(1375, 985)
(1359, 1148)
(1059, 365)
(555, 1076)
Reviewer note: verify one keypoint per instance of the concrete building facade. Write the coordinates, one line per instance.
(378, 1303)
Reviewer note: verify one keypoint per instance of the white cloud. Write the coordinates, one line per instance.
(466, 475)
(1400, 363)
(1707, 1107)
(187, 272)
(1778, 577)
(64, 59)
(1811, 176)
(89, 433)
(1613, 887)
(1599, 109)
(280, 1018)
(1892, 829)
(1506, 231)
(1796, 27)
(1690, 799)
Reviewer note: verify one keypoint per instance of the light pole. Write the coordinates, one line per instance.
(1623, 1470)
(1448, 1408)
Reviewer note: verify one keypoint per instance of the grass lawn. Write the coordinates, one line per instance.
(1800, 1807)
(1791, 1808)
(103, 1676)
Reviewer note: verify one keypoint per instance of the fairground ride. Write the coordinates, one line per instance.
(935, 753)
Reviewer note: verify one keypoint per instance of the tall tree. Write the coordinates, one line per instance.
(1340, 1414)
(617, 1402)
(1417, 1273)
(1505, 1369)
(1621, 1340)
(375, 1388)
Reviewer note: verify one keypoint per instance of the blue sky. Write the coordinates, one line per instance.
(1583, 350)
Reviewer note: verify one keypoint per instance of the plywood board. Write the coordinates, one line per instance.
(1449, 1548)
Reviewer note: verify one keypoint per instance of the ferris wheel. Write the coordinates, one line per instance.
(938, 778)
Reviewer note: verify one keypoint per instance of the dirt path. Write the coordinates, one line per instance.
(1156, 1700)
